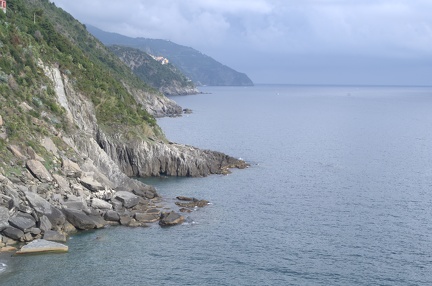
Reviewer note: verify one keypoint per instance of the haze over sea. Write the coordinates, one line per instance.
(339, 192)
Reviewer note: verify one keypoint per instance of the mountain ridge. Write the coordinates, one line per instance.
(200, 68)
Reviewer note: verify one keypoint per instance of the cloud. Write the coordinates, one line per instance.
(241, 30)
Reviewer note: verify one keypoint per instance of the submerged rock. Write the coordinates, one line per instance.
(170, 219)
(42, 246)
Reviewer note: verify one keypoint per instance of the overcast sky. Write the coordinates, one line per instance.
(285, 41)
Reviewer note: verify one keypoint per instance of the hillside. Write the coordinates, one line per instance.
(75, 125)
(200, 68)
(162, 76)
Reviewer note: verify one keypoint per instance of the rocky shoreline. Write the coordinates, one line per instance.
(41, 205)
(82, 180)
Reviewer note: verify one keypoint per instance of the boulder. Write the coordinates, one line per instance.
(4, 218)
(200, 204)
(71, 168)
(182, 198)
(79, 219)
(100, 204)
(91, 184)
(170, 219)
(50, 146)
(82, 221)
(42, 246)
(13, 233)
(76, 203)
(98, 220)
(1, 120)
(22, 221)
(16, 151)
(43, 207)
(128, 199)
(27, 237)
(69, 228)
(125, 220)
(39, 171)
(53, 235)
(111, 216)
(44, 223)
(146, 218)
(35, 231)
(63, 183)
(33, 155)
(146, 194)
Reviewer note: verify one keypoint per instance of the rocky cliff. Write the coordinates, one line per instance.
(74, 128)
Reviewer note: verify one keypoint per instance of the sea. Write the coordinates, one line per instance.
(338, 192)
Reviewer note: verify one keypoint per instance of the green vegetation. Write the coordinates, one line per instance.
(35, 33)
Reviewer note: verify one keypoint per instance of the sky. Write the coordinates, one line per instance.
(372, 42)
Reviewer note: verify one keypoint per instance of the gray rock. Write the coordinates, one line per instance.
(79, 219)
(13, 233)
(42, 246)
(62, 182)
(69, 228)
(16, 151)
(98, 220)
(35, 231)
(50, 146)
(33, 155)
(75, 204)
(148, 158)
(91, 184)
(43, 207)
(4, 218)
(147, 193)
(44, 223)
(125, 220)
(100, 204)
(170, 219)
(39, 171)
(148, 217)
(71, 168)
(117, 205)
(27, 237)
(22, 221)
(111, 216)
(128, 199)
(193, 204)
(52, 235)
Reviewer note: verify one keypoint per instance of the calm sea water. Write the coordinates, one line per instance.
(339, 193)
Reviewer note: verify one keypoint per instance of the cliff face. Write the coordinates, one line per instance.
(118, 157)
(159, 158)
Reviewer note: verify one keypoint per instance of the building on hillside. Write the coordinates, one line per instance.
(3, 5)
(162, 60)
